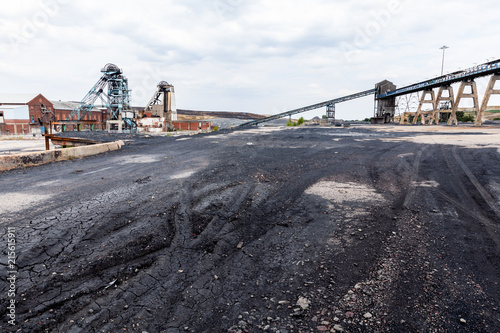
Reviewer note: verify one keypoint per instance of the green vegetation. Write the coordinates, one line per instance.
(367, 120)
(216, 128)
(468, 118)
(293, 123)
(496, 118)
(411, 117)
(464, 117)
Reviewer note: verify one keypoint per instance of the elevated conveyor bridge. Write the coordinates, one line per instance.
(460, 76)
(386, 93)
(443, 107)
(329, 103)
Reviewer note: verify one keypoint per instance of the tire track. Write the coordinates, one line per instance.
(485, 194)
(414, 175)
(462, 192)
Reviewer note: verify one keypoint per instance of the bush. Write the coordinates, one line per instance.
(301, 121)
(467, 118)
(289, 123)
(464, 117)
(216, 128)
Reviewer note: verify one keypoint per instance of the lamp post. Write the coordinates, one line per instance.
(444, 47)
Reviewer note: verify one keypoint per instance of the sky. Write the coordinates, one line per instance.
(239, 55)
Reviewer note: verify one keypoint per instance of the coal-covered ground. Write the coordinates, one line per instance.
(263, 230)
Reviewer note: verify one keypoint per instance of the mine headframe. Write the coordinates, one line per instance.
(116, 99)
(160, 96)
(162, 104)
(87, 103)
(118, 92)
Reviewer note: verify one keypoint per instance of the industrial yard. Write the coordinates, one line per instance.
(234, 166)
(371, 228)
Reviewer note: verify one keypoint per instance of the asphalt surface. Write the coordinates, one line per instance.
(270, 230)
(9, 147)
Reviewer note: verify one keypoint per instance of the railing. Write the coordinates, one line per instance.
(470, 73)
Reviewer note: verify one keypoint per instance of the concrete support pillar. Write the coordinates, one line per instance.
(423, 101)
(405, 118)
(473, 94)
(490, 90)
(440, 98)
(119, 124)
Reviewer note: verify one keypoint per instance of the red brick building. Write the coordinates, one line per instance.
(192, 125)
(24, 113)
(64, 109)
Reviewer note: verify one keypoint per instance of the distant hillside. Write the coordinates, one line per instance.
(220, 114)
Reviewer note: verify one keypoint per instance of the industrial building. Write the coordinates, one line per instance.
(193, 125)
(26, 114)
(160, 114)
(31, 113)
(95, 118)
(64, 109)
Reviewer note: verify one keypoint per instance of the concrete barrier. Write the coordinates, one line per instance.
(9, 162)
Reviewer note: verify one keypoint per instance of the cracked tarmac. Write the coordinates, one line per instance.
(373, 229)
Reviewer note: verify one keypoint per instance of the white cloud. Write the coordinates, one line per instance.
(258, 56)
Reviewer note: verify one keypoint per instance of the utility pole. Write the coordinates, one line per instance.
(444, 47)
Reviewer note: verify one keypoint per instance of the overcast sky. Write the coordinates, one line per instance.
(241, 55)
